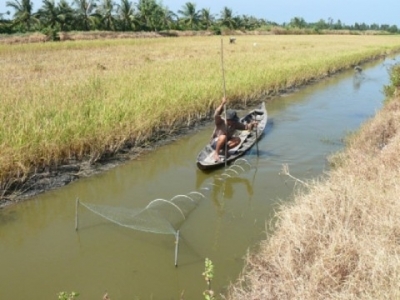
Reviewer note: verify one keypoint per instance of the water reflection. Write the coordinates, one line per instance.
(357, 80)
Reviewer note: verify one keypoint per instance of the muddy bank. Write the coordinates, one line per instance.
(56, 176)
(52, 177)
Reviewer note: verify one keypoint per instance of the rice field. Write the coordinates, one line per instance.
(81, 100)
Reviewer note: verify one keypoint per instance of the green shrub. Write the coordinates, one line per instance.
(390, 90)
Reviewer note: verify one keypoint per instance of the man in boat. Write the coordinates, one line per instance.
(224, 130)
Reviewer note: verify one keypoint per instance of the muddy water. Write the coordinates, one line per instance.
(42, 254)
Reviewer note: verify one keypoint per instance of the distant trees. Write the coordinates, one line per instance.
(148, 15)
(23, 14)
(106, 13)
(126, 15)
(298, 22)
(206, 19)
(169, 19)
(190, 16)
(48, 14)
(227, 18)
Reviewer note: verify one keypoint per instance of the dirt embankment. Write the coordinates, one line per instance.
(52, 177)
(38, 37)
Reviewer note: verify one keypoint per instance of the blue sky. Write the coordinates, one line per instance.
(347, 11)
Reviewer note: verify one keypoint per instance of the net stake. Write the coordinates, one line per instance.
(176, 247)
(76, 214)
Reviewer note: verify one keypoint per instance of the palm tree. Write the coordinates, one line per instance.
(5, 24)
(106, 10)
(23, 12)
(206, 18)
(149, 14)
(65, 14)
(168, 18)
(48, 13)
(227, 18)
(191, 17)
(85, 13)
(126, 14)
(1, 16)
(298, 22)
(249, 22)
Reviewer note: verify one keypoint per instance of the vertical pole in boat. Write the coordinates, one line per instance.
(223, 78)
(176, 247)
(257, 139)
(76, 213)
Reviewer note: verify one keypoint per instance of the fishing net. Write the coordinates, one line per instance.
(240, 166)
(161, 216)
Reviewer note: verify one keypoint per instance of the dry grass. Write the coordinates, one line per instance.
(341, 238)
(38, 37)
(87, 99)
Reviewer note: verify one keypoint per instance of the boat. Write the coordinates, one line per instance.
(205, 159)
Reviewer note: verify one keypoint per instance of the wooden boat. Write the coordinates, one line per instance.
(205, 159)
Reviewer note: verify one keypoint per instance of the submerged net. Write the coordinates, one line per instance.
(160, 215)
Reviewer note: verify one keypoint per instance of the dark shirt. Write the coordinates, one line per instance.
(220, 126)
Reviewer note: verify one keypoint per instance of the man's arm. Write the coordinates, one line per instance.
(248, 126)
(218, 112)
(251, 125)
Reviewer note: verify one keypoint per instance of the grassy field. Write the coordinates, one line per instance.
(82, 100)
(340, 237)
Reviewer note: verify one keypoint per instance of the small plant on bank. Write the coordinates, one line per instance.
(51, 33)
(392, 89)
(67, 296)
(208, 276)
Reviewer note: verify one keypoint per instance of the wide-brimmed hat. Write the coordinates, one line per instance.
(231, 115)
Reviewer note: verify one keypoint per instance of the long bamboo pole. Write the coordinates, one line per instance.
(176, 247)
(76, 213)
(257, 141)
(223, 79)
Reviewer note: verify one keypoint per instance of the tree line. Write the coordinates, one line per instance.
(145, 15)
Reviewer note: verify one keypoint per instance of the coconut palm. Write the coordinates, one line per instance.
(106, 11)
(297, 22)
(206, 18)
(149, 14)
(5, 24)
(249, 22)
(1, 16)
(23, 14)
(190, 17)
(126, 13)
(65, 14)
(168, 18)
(227, 18)
(85, 13)
(48, 13)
